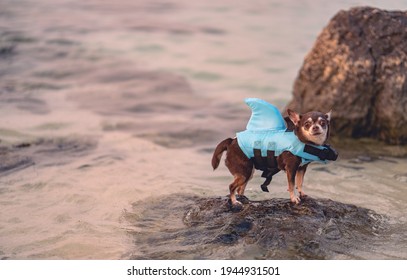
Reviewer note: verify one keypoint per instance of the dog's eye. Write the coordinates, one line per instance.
(322, 123)
(307, 125)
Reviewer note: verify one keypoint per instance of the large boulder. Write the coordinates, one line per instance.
(358, 68)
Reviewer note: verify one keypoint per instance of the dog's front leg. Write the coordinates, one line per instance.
(299, 179)
(290, 163)
(291, 172)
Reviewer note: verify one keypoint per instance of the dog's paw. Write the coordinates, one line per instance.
(295, 199)
(235, 207)
(303, 195)
(242, 199)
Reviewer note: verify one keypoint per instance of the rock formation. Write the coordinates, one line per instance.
(358, 67)
(182, 227)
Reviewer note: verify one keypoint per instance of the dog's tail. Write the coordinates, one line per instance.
(217, 154)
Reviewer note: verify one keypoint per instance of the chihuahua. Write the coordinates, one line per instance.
(311, 128)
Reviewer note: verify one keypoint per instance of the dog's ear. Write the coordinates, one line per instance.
(328, 115)
(294, 117)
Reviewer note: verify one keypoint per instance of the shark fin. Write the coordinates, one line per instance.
(265, 116)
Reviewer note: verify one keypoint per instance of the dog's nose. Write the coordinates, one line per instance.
(315, 128)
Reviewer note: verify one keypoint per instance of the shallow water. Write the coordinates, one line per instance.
(108, 106)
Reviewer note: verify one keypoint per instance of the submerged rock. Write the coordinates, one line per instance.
(358, 68)
(43, 152)
(206, 228)
(10, 162)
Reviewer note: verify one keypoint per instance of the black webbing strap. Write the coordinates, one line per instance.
(271, 159)
(269, 176)
(323, 154)
(267, 164)
(264, 163)
(264, 187)
(259, 162)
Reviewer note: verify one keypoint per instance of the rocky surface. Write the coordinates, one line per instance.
(271, 229)
(358, 67)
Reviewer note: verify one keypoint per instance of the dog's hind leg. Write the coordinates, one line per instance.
(240, 191)
(240, 167)
(248, 176)
(238, 183)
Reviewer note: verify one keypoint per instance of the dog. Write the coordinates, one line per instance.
(311, 129)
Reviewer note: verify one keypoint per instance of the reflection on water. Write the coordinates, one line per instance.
(116, 108)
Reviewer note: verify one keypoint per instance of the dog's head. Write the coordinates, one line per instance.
(312, 127)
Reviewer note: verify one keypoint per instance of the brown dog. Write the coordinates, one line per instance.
(311, 128)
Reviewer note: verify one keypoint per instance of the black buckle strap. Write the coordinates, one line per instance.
(324, 154)
(332, 154)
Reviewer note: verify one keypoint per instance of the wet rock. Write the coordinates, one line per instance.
(70, 146)
(358, 67)
(7, 46)
(7, 50)
(10, 162)
(179, 227)
(43, 152)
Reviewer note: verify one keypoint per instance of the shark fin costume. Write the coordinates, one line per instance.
(266, 137)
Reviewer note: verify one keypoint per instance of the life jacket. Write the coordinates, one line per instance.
(266, 137)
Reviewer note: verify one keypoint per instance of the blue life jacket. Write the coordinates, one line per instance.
(266, 131)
